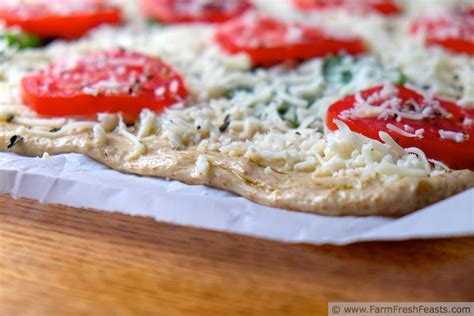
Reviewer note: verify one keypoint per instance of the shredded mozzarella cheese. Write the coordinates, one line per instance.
(139, 147)
(454, 136)
(203, 166)
(400, 131)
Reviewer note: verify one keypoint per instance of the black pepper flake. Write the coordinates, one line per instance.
(130, 90)
(10, 118)
(298, 133)
(226, 124)
(409, 106)
(15, 139)
(54, 130)
(198, 127)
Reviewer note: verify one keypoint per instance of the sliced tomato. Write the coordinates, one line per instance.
(453, 30)
(110, 81)
(268, 41)
(185, 11)
(440, 116)
(385, 7)
(66, 19)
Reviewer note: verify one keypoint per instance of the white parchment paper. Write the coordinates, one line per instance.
(78, 181)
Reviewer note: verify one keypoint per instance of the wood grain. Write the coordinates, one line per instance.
(63, 261)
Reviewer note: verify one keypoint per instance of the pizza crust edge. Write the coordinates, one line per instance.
(293, 191)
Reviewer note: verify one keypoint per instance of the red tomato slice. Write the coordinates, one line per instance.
(66, 19)
(440, 117)
(385, 7)
(268, 41)
(184, 11)
(452, 30)
(111, 81)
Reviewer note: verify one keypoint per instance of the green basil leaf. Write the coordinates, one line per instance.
(21, 40)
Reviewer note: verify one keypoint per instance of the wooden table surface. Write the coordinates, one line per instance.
(62, 261)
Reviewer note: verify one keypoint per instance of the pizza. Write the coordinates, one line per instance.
(341, 107)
